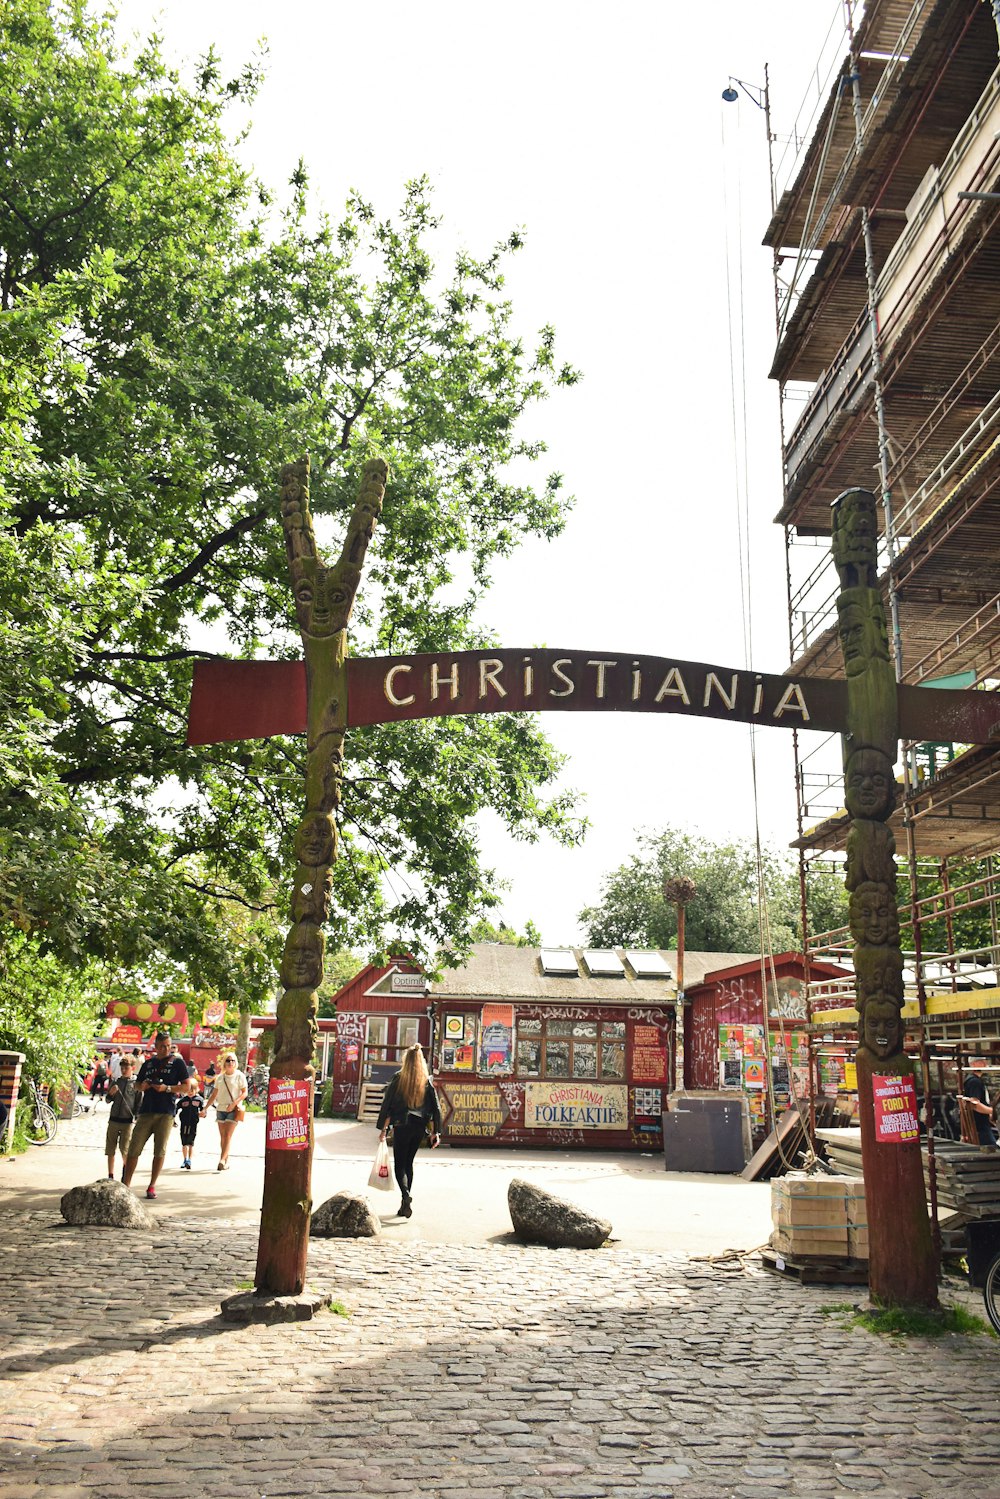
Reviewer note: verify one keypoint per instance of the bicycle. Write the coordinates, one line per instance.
(257, 1085)
(42, 1121)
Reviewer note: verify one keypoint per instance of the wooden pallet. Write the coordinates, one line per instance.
(370, 1101)
(817, 1272)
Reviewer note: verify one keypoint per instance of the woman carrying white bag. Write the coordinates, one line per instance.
(410, 1105)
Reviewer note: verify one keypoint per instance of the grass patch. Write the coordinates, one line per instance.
(338, 1308)
(909, 1322)
(244, 1285)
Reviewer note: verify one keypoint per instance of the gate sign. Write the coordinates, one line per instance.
(232, 700)
(895, 1109)
(288, 1104)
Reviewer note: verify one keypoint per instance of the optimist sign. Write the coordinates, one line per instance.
(288, 1104)
(895, 1109)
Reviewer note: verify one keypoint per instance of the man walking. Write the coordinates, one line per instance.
(124, 1102)
(162, 1078)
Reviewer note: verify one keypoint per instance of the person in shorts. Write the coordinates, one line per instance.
(124, 1101)
(228, 1092)
(189, 1113)
(162, 1079)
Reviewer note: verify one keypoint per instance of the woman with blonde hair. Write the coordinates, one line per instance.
(227, 1092)
(409, 1104)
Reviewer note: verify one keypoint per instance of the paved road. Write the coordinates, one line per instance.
(483, 1370)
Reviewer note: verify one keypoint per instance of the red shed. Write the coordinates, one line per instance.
(724, 1033)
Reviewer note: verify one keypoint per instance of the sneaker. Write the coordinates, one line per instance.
(150, 1191)
(111, 1176)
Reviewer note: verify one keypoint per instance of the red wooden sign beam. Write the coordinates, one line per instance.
(232, 700)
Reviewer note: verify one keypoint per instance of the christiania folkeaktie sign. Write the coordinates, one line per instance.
(232, 700)
(576, 1106)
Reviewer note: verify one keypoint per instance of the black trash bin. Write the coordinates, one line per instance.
(983, 1238)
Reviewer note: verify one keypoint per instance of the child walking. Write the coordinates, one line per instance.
(189, 1112)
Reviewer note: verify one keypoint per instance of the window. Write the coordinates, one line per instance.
(579, 1049)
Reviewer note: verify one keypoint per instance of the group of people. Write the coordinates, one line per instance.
(146, 1099)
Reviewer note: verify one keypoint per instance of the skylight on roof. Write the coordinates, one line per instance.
(603, 963)
(559, 960)
(648, 965)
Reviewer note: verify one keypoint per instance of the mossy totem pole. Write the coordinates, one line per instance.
(324, 597)
(902, 1265)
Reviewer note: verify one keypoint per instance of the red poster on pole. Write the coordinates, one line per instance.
(288, 1103)
(895, 1109)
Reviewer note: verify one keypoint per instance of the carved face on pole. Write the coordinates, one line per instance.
(879, 973)
(874, 921)
(864, 634)
(882, 1028)
(869, 787)
(302, 960)
(314, 839)
(855, 530)
(320, 599)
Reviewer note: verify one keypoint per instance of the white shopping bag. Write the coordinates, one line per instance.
(381, 1173)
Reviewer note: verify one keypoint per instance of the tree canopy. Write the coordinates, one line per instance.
(724, 915)
(171, 334)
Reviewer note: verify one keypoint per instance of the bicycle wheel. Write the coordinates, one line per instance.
(42, 1125)
(991, 1293)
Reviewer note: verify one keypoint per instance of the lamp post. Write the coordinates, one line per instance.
(679, 891)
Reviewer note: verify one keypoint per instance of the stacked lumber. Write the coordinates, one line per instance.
(843, 1149)
(819, 1217)
(968, 1178)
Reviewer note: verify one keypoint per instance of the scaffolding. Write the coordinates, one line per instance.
(885, 238)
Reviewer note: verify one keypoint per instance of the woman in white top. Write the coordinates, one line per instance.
(227, 1092)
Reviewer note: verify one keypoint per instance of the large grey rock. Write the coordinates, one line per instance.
(104, 1204)
(345, 1215)
(544, 1219)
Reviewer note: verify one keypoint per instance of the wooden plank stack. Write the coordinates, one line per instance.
(819, 1217)
(968, 1180)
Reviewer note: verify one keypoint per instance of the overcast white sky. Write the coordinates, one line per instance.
(600, 130)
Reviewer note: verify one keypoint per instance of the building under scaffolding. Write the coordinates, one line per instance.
(886, 242)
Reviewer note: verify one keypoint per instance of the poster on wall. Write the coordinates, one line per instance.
(288, 1105)
(753, 1074)
(649, 1055)
(496, 1041)
(895, 1101)
(458, 1047)
(731, 1072)
(473, 1110)
(576, 1106)
(647, 1102)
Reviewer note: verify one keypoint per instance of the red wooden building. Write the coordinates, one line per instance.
(380, 1012)
(558, 1047)
(724, 1038)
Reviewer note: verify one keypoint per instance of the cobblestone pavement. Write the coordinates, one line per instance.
(458, 1372)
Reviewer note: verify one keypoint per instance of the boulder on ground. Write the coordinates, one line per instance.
(345, 1215)
(104, 1204)
(544, 1219)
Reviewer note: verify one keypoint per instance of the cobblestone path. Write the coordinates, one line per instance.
(499, 1372)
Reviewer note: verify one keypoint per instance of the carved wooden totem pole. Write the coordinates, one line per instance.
(324, 597)
(902, 1265)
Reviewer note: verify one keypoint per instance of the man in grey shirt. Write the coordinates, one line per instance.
(124, 1101)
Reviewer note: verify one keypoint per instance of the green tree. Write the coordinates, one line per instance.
(485, 931)
(724, 915)
(170, 336)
